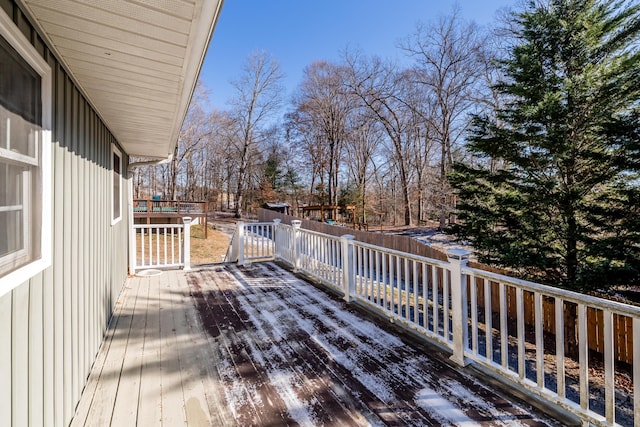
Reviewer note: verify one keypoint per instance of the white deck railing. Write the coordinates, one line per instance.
(160, 246)
(513, 328)
(252, 242)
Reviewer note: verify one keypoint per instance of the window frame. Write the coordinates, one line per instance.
(14, 37)
(116, 152)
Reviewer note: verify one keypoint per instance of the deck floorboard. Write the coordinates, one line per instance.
(255, 345)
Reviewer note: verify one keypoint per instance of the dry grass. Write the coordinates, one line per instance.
(203, 251)
(210, 250)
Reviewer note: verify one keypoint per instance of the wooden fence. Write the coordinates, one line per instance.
(622, 325)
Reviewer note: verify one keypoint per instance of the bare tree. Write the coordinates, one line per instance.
(448, 66)
(366, 136)
(306, 138)
(380, 87)
(220, 159)
(193, 136)
(257, 98)
(323, 106)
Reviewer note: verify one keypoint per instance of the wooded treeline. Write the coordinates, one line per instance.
(525, 136)
(364, 131)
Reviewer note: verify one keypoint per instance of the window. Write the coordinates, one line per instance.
(116, 175)
(25, 204)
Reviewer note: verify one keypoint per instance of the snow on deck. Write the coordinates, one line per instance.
(258, 346)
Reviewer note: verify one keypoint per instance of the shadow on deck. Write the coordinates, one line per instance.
(256, 345)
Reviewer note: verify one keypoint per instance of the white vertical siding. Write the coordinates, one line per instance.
(5, 361)
(36, 352)
(51, 327)
(20, 355)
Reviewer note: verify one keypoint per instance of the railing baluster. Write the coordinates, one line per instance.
(636, 370)
(415, 293)
(539, 325)
(334, 264)
(583, 359)
(150, 246)
(609, 367)
(250, 235)
(164, 241)
(425, 299)
(445, 302)
(360, 269)
(560, 374)
(392, 281)
(173, 246)
(398, 283)
(370, 271)
(142, 262)
(378, 278)
(473, 297)
(322, 262)
(384, 281)
(255, 236)
(364, 271)
(158, 259)
(407, 290)
(488, 320)
(520, 334)
(434, 297)
(503, 327)
(180, 244)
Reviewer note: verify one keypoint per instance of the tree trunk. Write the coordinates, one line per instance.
(571, 330)
(174, 177)
(443, 189)
(406, 200)
(242, 173)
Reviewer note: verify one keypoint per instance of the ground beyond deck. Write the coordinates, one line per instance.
(255, 345)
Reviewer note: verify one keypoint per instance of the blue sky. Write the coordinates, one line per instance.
(298, 32)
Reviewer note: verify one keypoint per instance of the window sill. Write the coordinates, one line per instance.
(16, 278)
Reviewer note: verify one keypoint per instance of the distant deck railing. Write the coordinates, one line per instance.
(471, 313)
(150, 208)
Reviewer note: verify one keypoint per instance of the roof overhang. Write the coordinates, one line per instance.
(136, 61)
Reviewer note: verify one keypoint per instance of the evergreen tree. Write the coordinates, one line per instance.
(273, 173)
(564, 208)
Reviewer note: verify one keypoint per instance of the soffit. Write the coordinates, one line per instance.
(137, 61)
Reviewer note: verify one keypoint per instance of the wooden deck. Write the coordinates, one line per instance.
(229, 346)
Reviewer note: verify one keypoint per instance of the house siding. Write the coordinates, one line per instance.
(52, 326)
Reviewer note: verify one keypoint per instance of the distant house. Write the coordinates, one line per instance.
(281, 207)
(83, 86)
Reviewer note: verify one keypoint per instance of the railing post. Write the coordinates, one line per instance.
(276, 224)
(240, 243)
(206, 220)
(187, 243)
(348, 279)
(296, 224)
(132, 230)
(458, 259)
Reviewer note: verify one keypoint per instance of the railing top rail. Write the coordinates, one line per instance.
(567, 295)
(407, 255)
(317, 233)
(253, 224)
